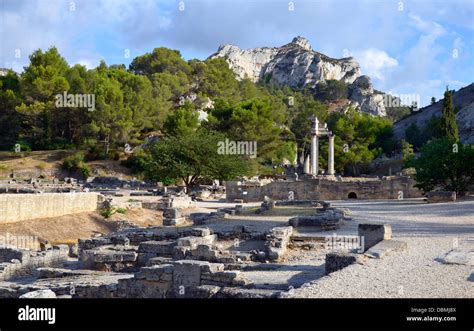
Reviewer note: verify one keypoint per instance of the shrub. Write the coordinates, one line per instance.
(107, 212)
(331, 90)
(121, 210)
(137, 162)
(76, 163)
(24, 146)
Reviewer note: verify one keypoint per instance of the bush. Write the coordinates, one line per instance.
(444, 165)
(59, 143)
(76, 163)
(331, 90)
(107, 212)
(137, 162)
(121, 210)
(25, 146)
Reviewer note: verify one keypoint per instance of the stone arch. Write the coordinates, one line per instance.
(352, 195)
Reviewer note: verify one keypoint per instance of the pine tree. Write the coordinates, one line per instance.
(449, 127)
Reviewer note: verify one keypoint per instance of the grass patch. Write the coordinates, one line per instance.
(108, 212)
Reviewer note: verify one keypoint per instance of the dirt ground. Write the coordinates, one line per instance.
(69, 228)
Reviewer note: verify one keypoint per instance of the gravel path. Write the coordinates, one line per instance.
(430, 230)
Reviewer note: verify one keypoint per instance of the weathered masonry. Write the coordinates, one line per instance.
(325, 189)
(20, 207)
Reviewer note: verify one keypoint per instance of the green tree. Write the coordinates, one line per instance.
(414, 135)
(407, 151)
(432, 129)
(41, 80)
(252, 120)
(192, 159)
(160, 60)
(442, 164)
(331, 90)
(449, 127)
(10, 120)
(359, 139)
(214, 78)
(183, 121)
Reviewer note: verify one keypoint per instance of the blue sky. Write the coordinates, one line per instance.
(406, 47)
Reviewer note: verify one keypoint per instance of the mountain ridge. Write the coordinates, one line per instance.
(463, 100)
(298, 66)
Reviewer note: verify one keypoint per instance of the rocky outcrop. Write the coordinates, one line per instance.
(297, 65)
(363, 96)
(294, 64)
(463, 100)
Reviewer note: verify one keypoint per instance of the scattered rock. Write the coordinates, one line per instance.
(39, 294)
(371, 234)
(384, 247)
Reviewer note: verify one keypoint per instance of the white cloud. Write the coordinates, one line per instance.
(375, 63)
(428, 27)
(88, 63)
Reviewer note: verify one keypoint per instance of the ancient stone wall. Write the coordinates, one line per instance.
(325, 189)
(20, 207)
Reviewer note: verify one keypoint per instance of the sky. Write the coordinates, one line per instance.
(406, 47)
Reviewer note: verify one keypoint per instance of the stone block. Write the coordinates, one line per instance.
(157, 248)
(373, 233)
(172, 213)
(180, 252)
(338, 261)
(326, 221)
(108, 255)
(158, 260)
(459, 256)
(277, 241)
(174, 221)
(385, 247)
(206, 291)
(193, 242)
(205, 252)
(201, 232)
(186, 275)
(163, 272)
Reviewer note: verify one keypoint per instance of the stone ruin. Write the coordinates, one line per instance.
(159, 262)
(326, 217)
(375, 242)
(201, 256)
(19, 262)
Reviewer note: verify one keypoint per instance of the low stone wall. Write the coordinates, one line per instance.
(440, 196)
(325, 189)
(19, 262)
(20, 207)
(181, 279)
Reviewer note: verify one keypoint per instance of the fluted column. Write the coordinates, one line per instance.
(315, 147)
(306, 167)
(314, 155)
(331, 155)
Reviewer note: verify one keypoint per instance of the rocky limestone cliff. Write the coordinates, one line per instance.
(463, 100)
(297, 65)
(362, 95)
(294, 64)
